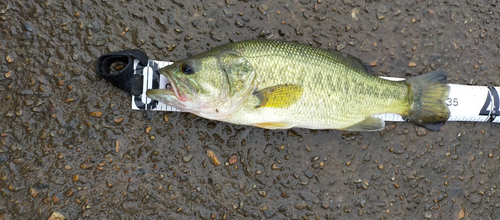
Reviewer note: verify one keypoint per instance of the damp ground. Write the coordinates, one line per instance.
(71, 146)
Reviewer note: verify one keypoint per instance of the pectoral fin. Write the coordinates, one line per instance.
(369, 124)
(279, 96)
(273, 125)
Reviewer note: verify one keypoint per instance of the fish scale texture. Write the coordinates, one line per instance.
(337, 90)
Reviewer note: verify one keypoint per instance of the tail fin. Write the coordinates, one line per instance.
(428, 93)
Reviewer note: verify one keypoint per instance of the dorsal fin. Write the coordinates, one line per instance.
(356, 63)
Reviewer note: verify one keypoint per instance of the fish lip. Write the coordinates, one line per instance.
(173, 83)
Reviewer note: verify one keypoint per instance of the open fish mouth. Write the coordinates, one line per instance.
(171, 93)
(172, 85)
(167, 94)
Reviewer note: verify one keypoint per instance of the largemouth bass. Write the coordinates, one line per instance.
(279, 85)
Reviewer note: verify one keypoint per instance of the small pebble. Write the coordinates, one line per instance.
(233, 159)
(354, 14)
(380, 16)
(214, 158)
(241, 185)
(187, 158)
(301, 206)
(33, 192)
(57, 216)
(309, 173)
(69, 192)
(365, 184)
(262, 193)
(9, 59)
(420, 131)
(427, 215)
(85, 166)
(217, 188)
(28, 26)
(274, 166)
(55, 199)
(97, 114)
(263, 8)
(119, 120)
(340, 46)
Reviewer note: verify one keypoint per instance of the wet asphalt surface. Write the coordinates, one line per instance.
(71, 145)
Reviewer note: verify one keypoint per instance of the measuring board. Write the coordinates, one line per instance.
(466, 103)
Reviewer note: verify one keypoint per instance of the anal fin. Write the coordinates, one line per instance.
(273, 125)
(369, 124)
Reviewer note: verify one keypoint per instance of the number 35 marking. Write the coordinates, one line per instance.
(452, 101)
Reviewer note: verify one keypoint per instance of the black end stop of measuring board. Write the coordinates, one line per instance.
(118, 69)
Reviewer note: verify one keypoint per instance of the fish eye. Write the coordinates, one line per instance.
(186, 69)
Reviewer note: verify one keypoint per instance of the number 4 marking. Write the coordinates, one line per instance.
(491, 105)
